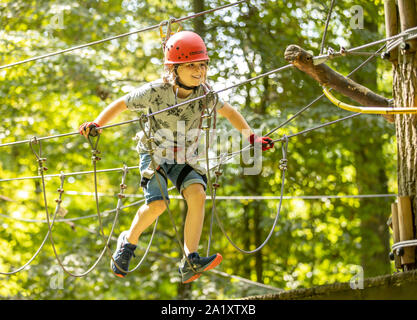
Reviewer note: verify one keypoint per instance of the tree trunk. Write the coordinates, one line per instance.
(371, 179)
(404, 93)
(199, 27)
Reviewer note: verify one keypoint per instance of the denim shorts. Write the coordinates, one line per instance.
(152, 189)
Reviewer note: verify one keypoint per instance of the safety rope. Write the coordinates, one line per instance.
(57, 209)
(225, 198)
(209, 114)
(406, 35)
(326, 26)
(280, 69)
(216, 185)
(41, 170)
(171, 21)
(283, 167)
(317, 127)
(404, 244)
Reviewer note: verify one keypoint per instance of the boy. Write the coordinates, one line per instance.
(186, 63)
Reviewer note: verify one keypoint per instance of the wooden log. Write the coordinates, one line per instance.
(391, 25)
(408, 19)
(326, 76)
(405, 222)
(395, 232)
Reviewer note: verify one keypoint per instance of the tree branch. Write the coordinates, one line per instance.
(326, 76)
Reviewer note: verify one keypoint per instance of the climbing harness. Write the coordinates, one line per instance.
(151, 151)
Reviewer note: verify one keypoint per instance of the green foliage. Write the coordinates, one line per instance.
(315, 242)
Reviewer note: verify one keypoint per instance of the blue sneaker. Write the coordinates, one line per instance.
(199, 265)
(124, 252)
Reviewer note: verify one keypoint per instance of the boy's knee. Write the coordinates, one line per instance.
(157, 207)
(195, 191)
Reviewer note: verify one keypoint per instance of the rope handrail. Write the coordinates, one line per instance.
(174, 197)
(406, 35)
(157, 112)
(188, 101)
(257, 197)
(173, 20)
(136, 167)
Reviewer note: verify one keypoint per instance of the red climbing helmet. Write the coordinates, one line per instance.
(185, 46)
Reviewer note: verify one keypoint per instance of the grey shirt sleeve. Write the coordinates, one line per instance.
(138, 99)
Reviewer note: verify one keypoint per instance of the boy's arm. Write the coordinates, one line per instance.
(111, 112)
(239, 122)
(108, 114)
(236, 119)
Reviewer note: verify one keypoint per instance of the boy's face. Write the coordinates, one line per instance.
(193, 73)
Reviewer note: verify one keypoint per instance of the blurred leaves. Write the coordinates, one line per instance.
(315, 242)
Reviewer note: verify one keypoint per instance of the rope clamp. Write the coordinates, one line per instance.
(218, 173)
(283, 164)
(386, 55)
(143, 118)
(169, 33)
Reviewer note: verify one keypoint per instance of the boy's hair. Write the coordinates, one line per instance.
(169, 74)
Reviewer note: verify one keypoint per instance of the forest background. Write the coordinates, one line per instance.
(316, 241)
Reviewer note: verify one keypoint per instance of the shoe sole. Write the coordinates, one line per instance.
(194, 277)
(212, 265)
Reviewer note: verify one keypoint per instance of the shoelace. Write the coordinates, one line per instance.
(194, 259)
(125, 253)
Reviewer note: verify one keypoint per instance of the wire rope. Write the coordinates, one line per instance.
(173, 20)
